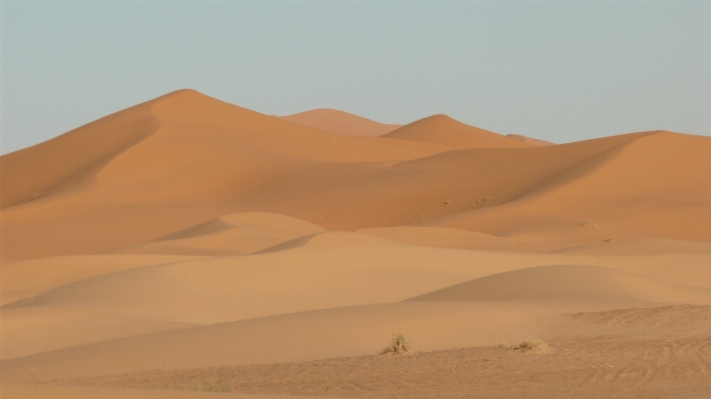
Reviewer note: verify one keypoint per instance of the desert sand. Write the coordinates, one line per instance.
(187, 245)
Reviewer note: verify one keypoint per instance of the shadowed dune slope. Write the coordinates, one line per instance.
(341, 122)
(441, 129)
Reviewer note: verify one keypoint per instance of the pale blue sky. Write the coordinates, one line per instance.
(560, 71)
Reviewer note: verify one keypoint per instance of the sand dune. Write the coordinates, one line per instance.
(349, 183)
(341, 122)
(441, 129)
(187, 237)
(172, 179)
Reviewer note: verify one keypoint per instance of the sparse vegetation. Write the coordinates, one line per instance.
(208, 388)
(529, 344)
(608, 240)
(503, 344)
(399, 344)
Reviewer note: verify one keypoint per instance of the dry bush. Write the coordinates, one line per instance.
(399, 344)
(529, 344)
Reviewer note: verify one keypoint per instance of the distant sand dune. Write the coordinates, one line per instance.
(441, 129)
(341, 122)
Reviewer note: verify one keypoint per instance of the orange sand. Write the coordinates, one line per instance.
(185, 242)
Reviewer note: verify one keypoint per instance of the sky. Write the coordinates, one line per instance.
(561, 71)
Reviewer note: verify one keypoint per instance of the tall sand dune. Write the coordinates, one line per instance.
(207, 159)
(198, 159)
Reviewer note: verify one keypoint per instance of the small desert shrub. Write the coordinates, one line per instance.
(503, 344)
(529, 344)
(399, 344)
(208, 388)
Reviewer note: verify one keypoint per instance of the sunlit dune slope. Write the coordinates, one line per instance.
(441, 129)
(341, 122)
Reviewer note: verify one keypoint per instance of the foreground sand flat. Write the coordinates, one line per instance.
(190, 244)
(603, 366)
